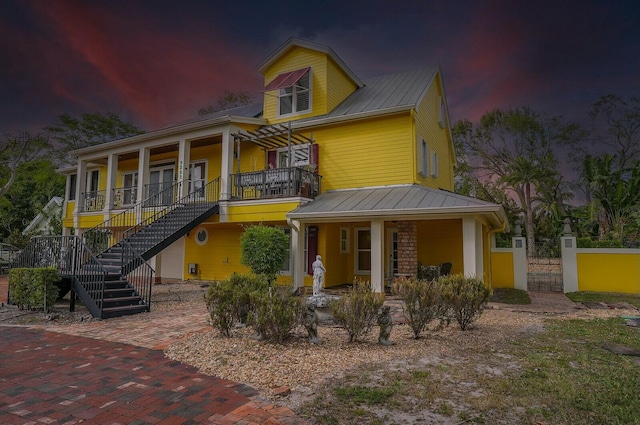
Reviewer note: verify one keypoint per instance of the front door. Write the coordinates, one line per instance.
(197, 178)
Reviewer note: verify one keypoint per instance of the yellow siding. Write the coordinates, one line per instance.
(296, 58)
(502, 270)
(440, 241)
(219, 257)
(89, 221)
(339, 86)
(609, 272)
(252, 158)
(260, 212)
(68, 213)
(437, 138)
(337, 264)
(365, 153)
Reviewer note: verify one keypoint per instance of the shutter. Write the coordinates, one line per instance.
(271, 159)
(312, 247)
(315, 157)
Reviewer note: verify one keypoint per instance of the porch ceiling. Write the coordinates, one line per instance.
(272, 136)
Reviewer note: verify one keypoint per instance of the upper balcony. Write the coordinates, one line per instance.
(276, 183)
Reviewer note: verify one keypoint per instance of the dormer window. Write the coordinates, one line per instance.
(294, 91)
(295, 99)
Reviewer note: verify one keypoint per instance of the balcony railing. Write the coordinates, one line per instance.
(124, 197)
(92, 201)
(276, 183)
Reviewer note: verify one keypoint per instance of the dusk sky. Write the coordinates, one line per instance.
(157, 62)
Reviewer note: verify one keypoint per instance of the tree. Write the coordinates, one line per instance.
(514, 152)
(16, 150)
(263, 250)
(616, 124)
(229, 99)
(73, 133)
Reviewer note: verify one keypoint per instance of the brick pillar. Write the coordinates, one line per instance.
(407, 248)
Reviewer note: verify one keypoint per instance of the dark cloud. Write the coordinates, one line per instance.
(158, 62)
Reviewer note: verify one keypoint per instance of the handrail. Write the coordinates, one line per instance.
(141, 274)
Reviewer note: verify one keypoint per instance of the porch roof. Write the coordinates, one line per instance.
(272, 136)
(396, 202)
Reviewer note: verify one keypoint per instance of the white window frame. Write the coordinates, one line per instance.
(89, 186)
(434, 164)
(197, 233)
(284, 152)
(133, 188)
(287, 271)
(203, 180)
(423, 157)
(358, 250)
(296, 90)
(344, 240)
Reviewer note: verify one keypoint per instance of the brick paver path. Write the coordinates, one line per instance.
(55, 378)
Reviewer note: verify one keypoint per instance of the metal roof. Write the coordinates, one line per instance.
(401, 90)
(253, 110)
(394, 201)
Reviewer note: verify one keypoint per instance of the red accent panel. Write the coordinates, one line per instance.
(271, 159)
(315, 156)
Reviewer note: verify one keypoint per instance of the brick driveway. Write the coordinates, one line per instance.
(55, 378)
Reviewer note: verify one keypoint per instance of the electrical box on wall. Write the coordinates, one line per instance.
(193, 268)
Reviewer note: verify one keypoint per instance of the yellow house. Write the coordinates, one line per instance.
(359, 172)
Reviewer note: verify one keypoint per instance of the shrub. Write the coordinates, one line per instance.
(465, 298)
(275, 314)
(229, 301)
(422, 303)
(28, 288)
(357, 311)
(264, 249)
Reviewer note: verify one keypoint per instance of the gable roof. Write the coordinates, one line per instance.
(395, 201)
(295, 42)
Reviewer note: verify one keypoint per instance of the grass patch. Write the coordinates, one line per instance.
(606, 297)
(364, 395)
(510, 296)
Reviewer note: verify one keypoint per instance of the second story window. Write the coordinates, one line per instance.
(299, 156)
(297, 98)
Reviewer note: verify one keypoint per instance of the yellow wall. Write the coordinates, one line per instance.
(502, 270)
(339, 85)
(437, 138)
(609, 272)
(365, 153)
(258, 213)
(440, 241)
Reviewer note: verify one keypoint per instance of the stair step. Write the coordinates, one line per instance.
(108, 312)
(131, 300)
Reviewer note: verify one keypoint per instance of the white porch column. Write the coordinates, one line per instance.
(112, 172)
(184, 157)
(377, 255)
(143, 173)
(519, 249)
(227, 165)
(569, 264)
(81, 186)
(296, 256)
(469, 247)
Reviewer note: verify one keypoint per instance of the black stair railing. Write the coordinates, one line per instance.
(138, 273)
(71, 257)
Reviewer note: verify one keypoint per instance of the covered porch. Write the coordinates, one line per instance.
(378, 234)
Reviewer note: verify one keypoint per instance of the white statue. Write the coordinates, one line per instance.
(318, 275)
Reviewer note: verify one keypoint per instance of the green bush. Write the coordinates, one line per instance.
(584, 243)
(264, 250)
(607, 243)
(275, 314)
(423, 303)
(27, 287)
(229, 301)
(465, 298)
(357, 311)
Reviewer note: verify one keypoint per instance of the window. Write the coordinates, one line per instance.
(202, 236)
(363, 250)
(286, 267)
(129, 188)
(344, 240)
(92, 181)
(434, 164)
(299, 153)
(73, 181)
(197, 177)
(297, 98)
(423, 158)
